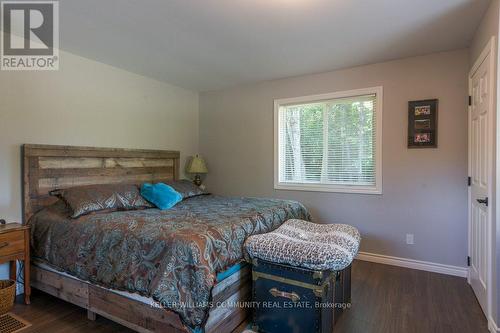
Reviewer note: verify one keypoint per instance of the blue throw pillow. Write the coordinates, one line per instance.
(160, 195)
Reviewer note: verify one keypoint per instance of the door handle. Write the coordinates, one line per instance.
(483, 201)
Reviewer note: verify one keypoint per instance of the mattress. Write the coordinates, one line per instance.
(173, 257)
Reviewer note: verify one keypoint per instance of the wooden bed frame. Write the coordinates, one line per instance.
(47, 167)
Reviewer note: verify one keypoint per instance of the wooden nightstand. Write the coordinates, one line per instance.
(15, 245)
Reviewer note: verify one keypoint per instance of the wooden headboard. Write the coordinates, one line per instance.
(47, 167)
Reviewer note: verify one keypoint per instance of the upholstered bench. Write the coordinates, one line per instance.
(301, 275)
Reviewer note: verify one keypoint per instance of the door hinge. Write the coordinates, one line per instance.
(468, 261)
(470, 100)
(469, 181)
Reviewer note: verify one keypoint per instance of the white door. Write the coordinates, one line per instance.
(480, 170)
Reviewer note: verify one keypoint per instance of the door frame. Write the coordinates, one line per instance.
(488, 50)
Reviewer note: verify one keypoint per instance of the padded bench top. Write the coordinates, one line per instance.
(307, 244)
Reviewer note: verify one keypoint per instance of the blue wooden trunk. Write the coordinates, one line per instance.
(292, 299)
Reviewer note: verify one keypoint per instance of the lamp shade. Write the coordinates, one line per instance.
(197, 165)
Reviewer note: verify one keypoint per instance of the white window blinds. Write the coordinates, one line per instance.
(330, 143)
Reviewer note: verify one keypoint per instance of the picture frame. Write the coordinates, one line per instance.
(422, 123)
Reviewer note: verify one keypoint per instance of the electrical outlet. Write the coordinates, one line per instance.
(409, 239)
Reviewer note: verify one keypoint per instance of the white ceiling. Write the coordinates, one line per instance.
(212, 44)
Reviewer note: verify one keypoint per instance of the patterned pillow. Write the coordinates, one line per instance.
(93, 198)
(307, 244)
(186, 188)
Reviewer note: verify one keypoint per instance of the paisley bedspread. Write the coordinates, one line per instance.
(172, 256)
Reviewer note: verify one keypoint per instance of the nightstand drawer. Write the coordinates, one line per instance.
(11, 243)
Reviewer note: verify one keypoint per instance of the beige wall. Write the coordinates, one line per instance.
(425, 190)
(88, 103)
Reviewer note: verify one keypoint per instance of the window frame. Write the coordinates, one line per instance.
(318, 187)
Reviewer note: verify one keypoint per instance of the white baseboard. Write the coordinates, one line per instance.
(414, 264)
(492, 326)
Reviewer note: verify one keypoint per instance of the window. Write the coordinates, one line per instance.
(330, 142)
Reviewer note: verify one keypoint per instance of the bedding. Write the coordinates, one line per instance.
(93, 198)
(186, 188)
(172, 256)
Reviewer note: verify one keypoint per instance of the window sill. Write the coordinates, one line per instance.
(328, 188)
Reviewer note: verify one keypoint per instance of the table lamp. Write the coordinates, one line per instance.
(197, 166)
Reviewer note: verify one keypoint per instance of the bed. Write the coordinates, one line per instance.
(106, 279)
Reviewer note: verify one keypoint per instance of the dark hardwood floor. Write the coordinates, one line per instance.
(385, 299)
(394, 299)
